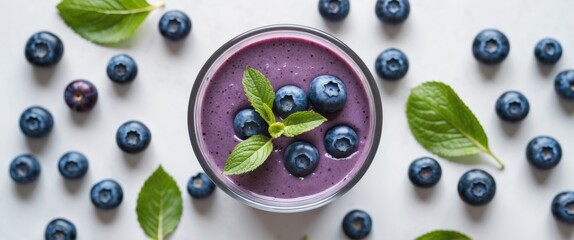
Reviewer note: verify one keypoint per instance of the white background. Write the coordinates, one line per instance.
(436, 37)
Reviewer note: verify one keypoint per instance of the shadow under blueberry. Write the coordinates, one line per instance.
(37, 145)
(489, 71)
(176, 47)
(567, 105)
(25, 190)
(540, 175)
(564, 229)
(509, 128)
(133, 159)
(203, 206)
(123, 89)
(545, 69)
(287, 225)
(392, 30)
(390, 86)
(106, 216)
(73, 186)
(424, 193)
(80, 118)
(475, 212)
(43, 75)
(334, 27)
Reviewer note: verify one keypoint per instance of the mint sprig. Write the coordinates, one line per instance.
(105, 21)
(251, 153)
(443, 235)
(443, 124)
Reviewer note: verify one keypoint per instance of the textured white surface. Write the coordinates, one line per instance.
(436, 37)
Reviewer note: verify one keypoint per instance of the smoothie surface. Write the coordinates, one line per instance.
(284, 60)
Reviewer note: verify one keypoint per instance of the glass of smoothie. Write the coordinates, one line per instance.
(285, 54)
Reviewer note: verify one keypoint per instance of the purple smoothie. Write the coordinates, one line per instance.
(284, 60)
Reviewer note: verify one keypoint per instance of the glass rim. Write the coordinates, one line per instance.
(372, 90)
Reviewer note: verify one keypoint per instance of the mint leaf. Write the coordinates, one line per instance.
(159, 205)
(105, 21)
(443, 124)
(276, 129)
(259, 92)
(248, 155)
(443, 235)
(300, 122)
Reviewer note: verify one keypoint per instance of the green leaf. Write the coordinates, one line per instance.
(105, 21)
(259, 92)
(159, 205)
(248, 155)
(443, 124)
(276, 129)
(300, 122)
(443, 235)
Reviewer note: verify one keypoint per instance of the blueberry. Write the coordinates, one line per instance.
(44, 49)
(476, 187)
(122, 69)
(334, 10)
(328, 93)
(81, 95)
(200, 186)
(512, 106)
(341, 141)
(563, 207)
(548, 51)
(392, 64)
(490, 46)
(564, 84)
(60, 229)
(36, 122)
(425, 172)
(543, 152)
(133, 137)
(247, 123)
(357, 224)
(301, 158)
(25, 168)
(107, 194)
(174, 25)
(289, 99)
(392, 11)
(73, 165)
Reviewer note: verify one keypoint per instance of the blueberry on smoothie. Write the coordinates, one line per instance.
(328, 93)
(543, 152)
(564, 84)
(289, 99)
(341, 141)
(301, 158)
(133, 136)
(60, 229)
(392, 11)
(490, 46)
(44, 49)
(425, 172)
(81, 95)
(512, 106)
(247, 123)
(392, 64)
(334, 10)
(25, 168)
(107, 194)
(357, 224)
(73, 165)
(548, 51)
(36, 122)
(476, 187)
(174, 25)
(200, 186)
(122, 69)
(563, 207)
